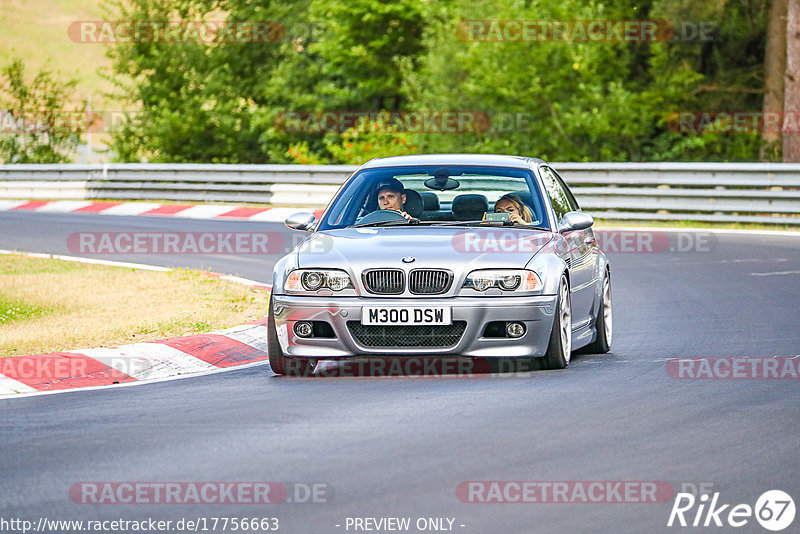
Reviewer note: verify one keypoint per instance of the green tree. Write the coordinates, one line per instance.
(190, 107)
(218, 101)
(560, 100)
(582, 100)
(595, 101)
(38, 122)
(362, 142)
(719, 70)
(347, 61)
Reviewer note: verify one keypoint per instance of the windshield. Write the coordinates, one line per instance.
(438, 195)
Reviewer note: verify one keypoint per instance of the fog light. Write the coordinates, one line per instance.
(302, 328)
(515, 329)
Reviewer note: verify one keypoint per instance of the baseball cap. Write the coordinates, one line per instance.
(392, 184)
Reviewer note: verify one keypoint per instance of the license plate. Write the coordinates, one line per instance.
(411, 315)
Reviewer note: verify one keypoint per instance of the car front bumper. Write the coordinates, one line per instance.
(535, 312)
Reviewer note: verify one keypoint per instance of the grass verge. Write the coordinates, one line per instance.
(51, 305)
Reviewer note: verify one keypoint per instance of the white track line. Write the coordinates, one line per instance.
(775, 273)
(783, 233)
(243, 281)
(142, 266)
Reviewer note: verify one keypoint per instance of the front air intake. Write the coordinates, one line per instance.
(429, 281)
(384, 281)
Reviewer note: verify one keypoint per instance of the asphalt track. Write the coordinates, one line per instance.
(399, 447)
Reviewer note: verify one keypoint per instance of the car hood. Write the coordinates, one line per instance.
(457, 249)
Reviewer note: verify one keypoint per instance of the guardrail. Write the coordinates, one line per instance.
(718, 192)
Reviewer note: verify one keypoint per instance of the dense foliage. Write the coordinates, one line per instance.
(36, 122)
(575, 100)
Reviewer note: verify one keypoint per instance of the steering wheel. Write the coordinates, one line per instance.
(380, 216)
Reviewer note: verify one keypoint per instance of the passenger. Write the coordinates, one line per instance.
(518, 212)
(391, 196)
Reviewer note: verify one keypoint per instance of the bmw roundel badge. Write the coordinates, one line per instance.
(409, 259)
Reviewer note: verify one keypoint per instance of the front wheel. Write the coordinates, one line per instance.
(559, 350)
(604, 323)
(280, 363)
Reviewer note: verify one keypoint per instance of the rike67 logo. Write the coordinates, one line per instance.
(774, 510)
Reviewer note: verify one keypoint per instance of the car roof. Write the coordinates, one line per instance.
(490, 160)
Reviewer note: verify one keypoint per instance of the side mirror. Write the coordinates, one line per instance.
(301, 221)
(575, 220)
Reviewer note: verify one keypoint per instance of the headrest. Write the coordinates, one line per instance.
(470, 207)
(414, 204)
(525, 197)
(430, 202)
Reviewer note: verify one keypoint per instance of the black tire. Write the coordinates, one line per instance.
(604, 322)
(278, 361)
(559, 350)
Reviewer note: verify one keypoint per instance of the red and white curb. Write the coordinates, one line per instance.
(186, 211)
(139, 362)
(166, 359)
(229, 212)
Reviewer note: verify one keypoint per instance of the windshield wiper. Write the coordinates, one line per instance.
(484, 222)
(399, 222)
(480, 222)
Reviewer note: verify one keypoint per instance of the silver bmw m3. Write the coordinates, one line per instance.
(474, 256)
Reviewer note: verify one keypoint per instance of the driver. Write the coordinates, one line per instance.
(391, 196)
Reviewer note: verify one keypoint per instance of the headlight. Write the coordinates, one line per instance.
(507, 280)
(314, 279)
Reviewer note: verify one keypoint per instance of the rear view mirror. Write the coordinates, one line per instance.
(441, 181)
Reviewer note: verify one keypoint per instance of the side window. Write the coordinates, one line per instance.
(556, 192)
(572, 202)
